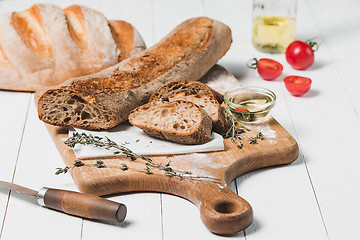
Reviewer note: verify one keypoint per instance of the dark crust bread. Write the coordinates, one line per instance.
(201, 135)
(204, 101)
(151, 64)
(187, 52)
(188, 87)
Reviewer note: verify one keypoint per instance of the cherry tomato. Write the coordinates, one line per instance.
(268, 69)
(297, 85)
(241, 110)
(300, 55)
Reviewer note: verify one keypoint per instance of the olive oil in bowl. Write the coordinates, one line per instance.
(250, 104)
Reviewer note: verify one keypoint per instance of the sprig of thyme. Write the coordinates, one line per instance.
(98, 164)
(106, 143)
(235, 129)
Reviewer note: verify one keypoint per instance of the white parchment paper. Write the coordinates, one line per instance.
(140, 143)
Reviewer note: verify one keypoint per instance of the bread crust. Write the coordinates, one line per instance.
(127, 39)
(200, 135)
(41, 51)
(91, 32)
(30, 26)
(193, 48)
(65, 64)
(185, 85)
(6, 69)
(218, 119)
(20, 59)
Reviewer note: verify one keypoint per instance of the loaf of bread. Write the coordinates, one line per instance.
(45, 45)
(209, 104)
(186, 87)
(105, 99)
(176, 121)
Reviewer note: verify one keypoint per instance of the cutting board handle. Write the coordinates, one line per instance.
(225, 212)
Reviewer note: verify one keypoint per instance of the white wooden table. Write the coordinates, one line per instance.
(316, 197)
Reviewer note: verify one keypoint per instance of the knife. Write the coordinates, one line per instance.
(74, 203)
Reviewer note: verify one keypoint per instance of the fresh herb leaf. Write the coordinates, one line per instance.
(99, 164)
(62, 170)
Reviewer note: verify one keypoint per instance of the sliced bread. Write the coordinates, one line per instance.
(187, 52)
(209, 104)
(177, 121)
(188, 87)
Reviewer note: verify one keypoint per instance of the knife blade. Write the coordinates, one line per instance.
(74, 203)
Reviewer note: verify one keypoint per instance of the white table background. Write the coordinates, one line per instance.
(316, 197)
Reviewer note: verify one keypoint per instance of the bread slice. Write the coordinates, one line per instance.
(188, 87)
(187, 52)
(177, 121)
(209, 104)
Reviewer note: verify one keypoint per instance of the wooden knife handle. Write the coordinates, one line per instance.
(83, 205)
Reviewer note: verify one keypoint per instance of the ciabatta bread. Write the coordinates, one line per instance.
(45, 45)
(105, 99)
(186, 87)
(209, 104)
(177, 121)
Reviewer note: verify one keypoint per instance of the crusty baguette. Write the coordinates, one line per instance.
(209, 104)
(105, 99)
(177, 121)
(44, 45)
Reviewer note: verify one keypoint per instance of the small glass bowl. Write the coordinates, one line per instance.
(250, 104)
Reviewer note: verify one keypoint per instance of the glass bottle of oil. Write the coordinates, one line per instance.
(274, 24)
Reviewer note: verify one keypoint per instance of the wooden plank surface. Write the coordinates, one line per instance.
(319, 200)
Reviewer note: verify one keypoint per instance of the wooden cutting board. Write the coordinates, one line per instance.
(221, 210)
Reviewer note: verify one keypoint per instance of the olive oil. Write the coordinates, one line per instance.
(251, 109)
(272, 34)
